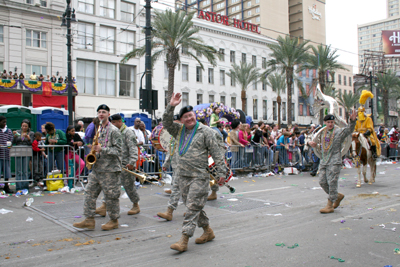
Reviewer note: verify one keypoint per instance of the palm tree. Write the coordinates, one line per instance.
(324, 61)
(278, 84)
(244, 75)
(388, 83)
(348, 101)
(173, 34)
(330, 91)
(286, 54)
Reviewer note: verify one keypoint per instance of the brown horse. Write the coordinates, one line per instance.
(362, 155)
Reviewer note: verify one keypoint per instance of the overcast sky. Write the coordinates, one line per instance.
(342, 18)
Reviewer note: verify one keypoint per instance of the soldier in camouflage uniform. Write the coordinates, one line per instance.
(221, 146)
(196, 142)
(105, 174)
(329, 144)
(129, 158)
(170, 161)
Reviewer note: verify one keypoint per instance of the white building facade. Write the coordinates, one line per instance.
(31, 39)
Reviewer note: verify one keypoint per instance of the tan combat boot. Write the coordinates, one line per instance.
(135, 209)
(208, 235)
(213, 196)
(329, 208)
(87, 223)
(112, 224)
(181, 245)
(338, 200)
(166, 215)
(168, 191)
(102, 211)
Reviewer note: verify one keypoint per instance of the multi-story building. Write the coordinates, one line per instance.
(343, 83)
(300, 18)
(393, 8)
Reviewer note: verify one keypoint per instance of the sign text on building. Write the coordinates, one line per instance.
(224, 20)
(391, 42)
(314, 12)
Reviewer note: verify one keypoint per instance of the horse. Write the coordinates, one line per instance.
(362, 155)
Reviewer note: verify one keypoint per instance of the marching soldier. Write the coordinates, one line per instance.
(196, 142)
(129, 158)
(105, 174)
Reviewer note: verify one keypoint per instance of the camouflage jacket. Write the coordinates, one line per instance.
(129, 148)
(334, 155)
(109, 158)
(194, 162)
(170, 161)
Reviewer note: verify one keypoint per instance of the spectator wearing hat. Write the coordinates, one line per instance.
(6, 138)
(55, 137)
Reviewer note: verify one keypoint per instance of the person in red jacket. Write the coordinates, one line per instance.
(394, 140)
(37, 163)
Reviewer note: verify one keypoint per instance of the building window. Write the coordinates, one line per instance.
(244, 57)
(340, 112)
(1, 34)
(292, 112)
(300, 109)
(264, 63)
(257, 1)
(85, 36)
(344, 80)
(211, 76)
(165, 70)
(233, 82)
(107, 8)
(199, 74)
(86, 6)
(35, 39)
(255, 86)
(221, 77)
(107, 38)
(185, 72)
(264, 86)
(350, 82)
(43, 3)
(233, 102)
(185, 50)
(185, 99)
(255, 109)
(339, 79)
(283, 111)
(126, 42)
(274, 110)
(265, 110)
(30, 69)
(211, 98)
(85, 76)
(106, 79)
(127, 11)
(222, 99)
(258, 19)
(254, 61)
(257, 10)
(340, 92)
(127, 81)
(249, 13)
(232, 56)
(199, 99)
(220, 5)
(222, 52)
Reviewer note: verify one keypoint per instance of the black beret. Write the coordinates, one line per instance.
(185, 110)
(329, 117)
(176, 117)
(103, 106)
(115, 117)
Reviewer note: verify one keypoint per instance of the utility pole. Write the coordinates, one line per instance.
(68, 17)
(372, 91)
(148, 68)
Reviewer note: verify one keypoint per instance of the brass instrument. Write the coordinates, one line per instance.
(142, 176)
(215, 181)
(91, 157)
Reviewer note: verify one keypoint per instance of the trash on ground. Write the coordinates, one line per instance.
(49, 202)
(342, 221)
(124, 225)
(277, 214)
(316, 188)
(77, 216)
(29, 219)
(338, 259)
(232, 199)
(4, 211)
(124, 195)
(28, 202)
(382, 172)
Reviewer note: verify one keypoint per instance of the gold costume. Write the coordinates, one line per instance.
(364, 123)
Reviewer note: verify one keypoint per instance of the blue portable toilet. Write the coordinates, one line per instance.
(130, 116)
(58, 116)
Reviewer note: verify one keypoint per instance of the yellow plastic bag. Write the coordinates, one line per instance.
(54, 185)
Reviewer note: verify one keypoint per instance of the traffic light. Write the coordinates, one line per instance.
(144, 101)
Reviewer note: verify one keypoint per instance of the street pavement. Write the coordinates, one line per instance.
(249, 225)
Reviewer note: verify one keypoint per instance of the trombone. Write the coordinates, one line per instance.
(215, 181)
(142, 176)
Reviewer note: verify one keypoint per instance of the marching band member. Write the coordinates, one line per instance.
(129, 158)
(330, 145)
(105, 174)
(196, 142)
(221, 146)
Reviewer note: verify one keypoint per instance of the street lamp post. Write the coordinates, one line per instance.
(372, 91)
(68, 17)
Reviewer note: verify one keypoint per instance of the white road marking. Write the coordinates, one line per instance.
(368, 212)
(265, 190)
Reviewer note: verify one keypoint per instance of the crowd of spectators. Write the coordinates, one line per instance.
(35, 77)
(389, 140)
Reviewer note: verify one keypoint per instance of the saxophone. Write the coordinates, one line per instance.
(91, 157)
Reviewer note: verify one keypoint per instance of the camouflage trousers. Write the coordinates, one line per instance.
(175, 193)
(128, 182)
(215, 187)
(194, 195)
(328, 179)
(109, 183)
